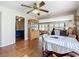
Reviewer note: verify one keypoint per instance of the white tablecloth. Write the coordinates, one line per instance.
(61, 44)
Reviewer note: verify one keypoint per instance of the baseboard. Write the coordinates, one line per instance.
(7, 44)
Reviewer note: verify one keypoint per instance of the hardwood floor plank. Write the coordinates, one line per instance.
(22, 48)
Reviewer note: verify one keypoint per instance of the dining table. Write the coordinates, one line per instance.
(60, 44)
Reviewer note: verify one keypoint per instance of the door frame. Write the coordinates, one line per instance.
(15, 27)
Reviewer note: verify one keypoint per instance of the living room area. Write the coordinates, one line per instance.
(39, 28)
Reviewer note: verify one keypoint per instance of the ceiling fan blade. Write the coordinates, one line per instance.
(29, 11)
(35, 4)
(41, 3)
(26, 6)
(44, 10)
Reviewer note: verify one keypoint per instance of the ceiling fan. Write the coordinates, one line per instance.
(36, 8)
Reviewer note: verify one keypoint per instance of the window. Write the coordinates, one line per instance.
(43, 27)
(61, 26)
(51, 26)
(57, 25)
(66, 25)
(46, 27)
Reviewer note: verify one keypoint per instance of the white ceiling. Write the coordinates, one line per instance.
(16, 4)
(52, 6)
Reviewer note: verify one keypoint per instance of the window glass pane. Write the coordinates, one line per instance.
(40, 26)
(61, 26)
(66, 25)
(57, 25)
(51, 26)
(46, 27)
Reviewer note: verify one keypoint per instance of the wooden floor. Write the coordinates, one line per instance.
(22, 48)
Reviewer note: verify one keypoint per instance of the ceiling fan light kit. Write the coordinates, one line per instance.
(35, 11)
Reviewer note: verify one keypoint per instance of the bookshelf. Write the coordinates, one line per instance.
(33, 31)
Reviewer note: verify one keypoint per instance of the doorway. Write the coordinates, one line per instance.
(19, 30)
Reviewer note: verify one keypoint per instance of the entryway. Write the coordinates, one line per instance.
(19, 28)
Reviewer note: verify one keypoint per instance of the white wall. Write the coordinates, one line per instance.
(77, 21)
(61, 18)
(8, 25)
(77, 12)
(0, 29)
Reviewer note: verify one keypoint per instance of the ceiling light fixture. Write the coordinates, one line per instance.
(35, 11)
(19, 19)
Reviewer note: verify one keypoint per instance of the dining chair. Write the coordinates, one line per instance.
(45, 52)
